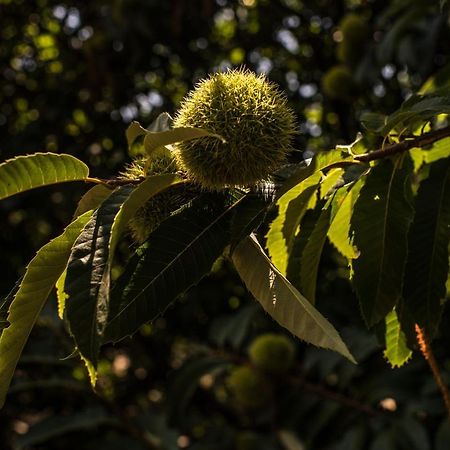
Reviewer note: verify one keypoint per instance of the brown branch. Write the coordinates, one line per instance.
(114, 182)
(427, 353)
(392, 149)
(334, 396)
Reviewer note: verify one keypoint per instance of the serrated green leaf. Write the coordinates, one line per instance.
(329, 183)
(340, 156)
(397, 352)
(339, 231)
(373, 121)
(55, 426)
(185, 382)
(291, 208)
(418, 109)
(439, 150)
(134, 131)
(380, 222)
(428, 259)
(92, 199)
(5, 304)
(39, 169)
(42, 273)
(282, 301)
(177, 255)
(250, 213)
(87, 282)
(312, 251)
(301, 239)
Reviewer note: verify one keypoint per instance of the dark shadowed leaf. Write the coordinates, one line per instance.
(427, 267)
(380, 222)
(87, 280)
(177, 255)
(186, 381)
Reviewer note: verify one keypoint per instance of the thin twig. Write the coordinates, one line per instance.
(427, 353)
(407, 144)
(114, 182)
(334, 396)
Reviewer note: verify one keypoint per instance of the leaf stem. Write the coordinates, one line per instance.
(427, 353)
(407, 144)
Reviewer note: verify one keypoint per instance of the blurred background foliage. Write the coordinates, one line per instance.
(73, 75)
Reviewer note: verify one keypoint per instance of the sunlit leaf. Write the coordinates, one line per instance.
(331, 181)
(41, 275)
(282, 301)
(339, 231)
(312, 251)
(156, 140)
(92, 199)
(39, 169)
(291, 208)
(397, 352)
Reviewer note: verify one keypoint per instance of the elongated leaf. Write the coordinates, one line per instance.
(439, 150)
(134, 131)
(41, 275)
(5, 304)
(162, 123)
(397, 351)
(281, 300)
(87, 281)
(55, 426)
(39, 169)
(186, 381)
(176, 256)
(312, 251)
(86, 306)
(427, 266)
(309, 222)
(92, 199)
(329, 183)
(339, 231)
(291, 208)
(380, 224)
(250, 213)
(155, 140)
(339, 156)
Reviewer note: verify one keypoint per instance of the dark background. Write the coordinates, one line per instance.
(72, 76)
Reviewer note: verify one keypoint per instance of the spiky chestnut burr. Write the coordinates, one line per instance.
(250, 114)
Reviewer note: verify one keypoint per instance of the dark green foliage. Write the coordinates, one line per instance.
(379, 225)
(177, 255)
(77, 75)
(87, 281)
(428, 261)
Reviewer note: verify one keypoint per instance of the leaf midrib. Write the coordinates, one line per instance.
(383, 247)
(172, 262)
(430, 272)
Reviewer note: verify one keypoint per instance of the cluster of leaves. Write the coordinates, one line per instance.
(65, 87)
(385, 215)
